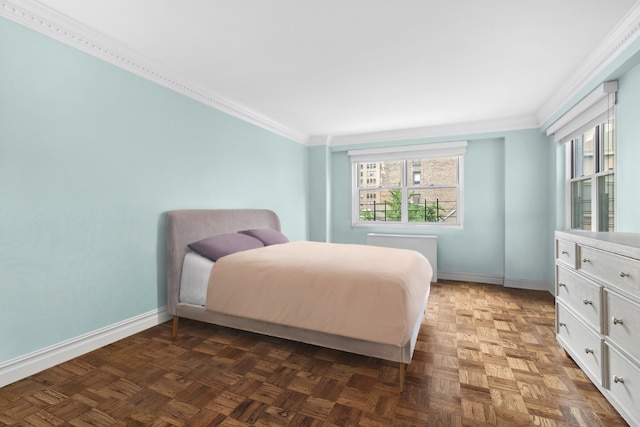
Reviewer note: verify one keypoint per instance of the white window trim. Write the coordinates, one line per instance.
(568, 155)
(591, 111)
(441, 149)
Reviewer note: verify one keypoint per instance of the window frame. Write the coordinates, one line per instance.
(595, 109)
(406, 154)
(597, 171)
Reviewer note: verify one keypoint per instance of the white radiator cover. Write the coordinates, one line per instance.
(426, 245)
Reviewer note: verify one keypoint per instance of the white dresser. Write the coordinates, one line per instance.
(598, 312)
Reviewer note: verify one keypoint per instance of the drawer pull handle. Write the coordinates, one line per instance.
(587, 301)
(588, 350)
(561, 284)
(562, 324)
(565, 253)
(586, 260)
(623, 274)
(617, 379)
(617, 321)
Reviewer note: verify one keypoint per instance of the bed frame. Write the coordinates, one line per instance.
(186, 226)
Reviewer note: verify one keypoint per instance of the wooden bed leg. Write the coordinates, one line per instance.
(403, 367)
(174, 330)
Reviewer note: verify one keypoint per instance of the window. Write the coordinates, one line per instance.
(416, 177)
(410, 186)
(591, 178)
(588, 130)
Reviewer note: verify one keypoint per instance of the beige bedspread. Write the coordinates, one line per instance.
(366, 292)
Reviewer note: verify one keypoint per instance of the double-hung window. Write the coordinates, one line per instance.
(588, 130)
(414, 186)
(592, 178)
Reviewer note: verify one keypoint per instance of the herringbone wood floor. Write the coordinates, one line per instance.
(485, 356)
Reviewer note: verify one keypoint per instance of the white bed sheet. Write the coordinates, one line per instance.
(195, 277)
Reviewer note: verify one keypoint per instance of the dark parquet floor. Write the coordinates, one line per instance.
(486, 356)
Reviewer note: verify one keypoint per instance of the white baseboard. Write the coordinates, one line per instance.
(32, 363)
(528, 284)
(471, 277)
(533, 285)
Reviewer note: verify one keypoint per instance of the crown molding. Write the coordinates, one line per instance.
(316, 140)
(40, 18)
(619, 39)
(458, 129)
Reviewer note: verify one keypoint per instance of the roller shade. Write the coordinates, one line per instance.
(595, 108)
(441, 149)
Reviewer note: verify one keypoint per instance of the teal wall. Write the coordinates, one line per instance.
(506, 209)
(628, 152)
(91, 157)
(320, 193)
(527, 225)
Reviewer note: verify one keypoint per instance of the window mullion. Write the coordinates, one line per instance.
(569, 173)
(404, 194)
(595, 209)
(595, 217)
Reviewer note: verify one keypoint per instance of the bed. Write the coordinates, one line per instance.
(384, 323)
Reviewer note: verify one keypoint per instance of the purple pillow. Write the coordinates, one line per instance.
(215, 247)
(268, 236)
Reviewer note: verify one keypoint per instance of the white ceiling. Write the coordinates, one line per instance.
(340, 67)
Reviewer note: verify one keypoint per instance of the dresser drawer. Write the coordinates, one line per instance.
(623, 326)
(566, 252)
(613, 269)
(624, 383)
(581, 294)
(580, 341)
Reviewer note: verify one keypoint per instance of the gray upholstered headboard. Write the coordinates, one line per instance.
(187, 226)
